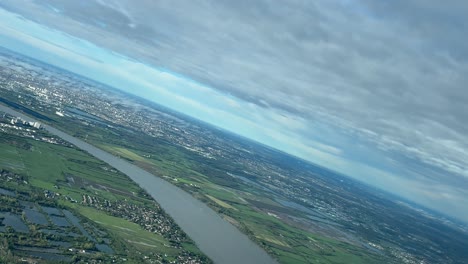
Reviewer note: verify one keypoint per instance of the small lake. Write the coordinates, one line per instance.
(60, 244)
(15, 222)
(311, 214)
(75, 111)
(76, 222)
(7, 192)
(104, 248)
(52, 211)
(59, 221)
(59, 233)
(248, 181)
(39, 249)
(49, 256)
(35, 217)
(299, 207)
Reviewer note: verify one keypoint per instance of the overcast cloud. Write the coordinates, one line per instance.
(379, 83)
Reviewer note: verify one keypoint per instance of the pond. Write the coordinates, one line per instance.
(52, 211)
(15, 222)
(76, 222)
(59, 233)
(50, 256)
(60, 244)
(35, 216)
(7, 192)
(59, 221)
(104, 248)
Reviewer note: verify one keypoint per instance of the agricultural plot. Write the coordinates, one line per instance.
(60, 204)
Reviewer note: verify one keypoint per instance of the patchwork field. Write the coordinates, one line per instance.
(59, 204)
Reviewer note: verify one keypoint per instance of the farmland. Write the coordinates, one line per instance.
(81, 194)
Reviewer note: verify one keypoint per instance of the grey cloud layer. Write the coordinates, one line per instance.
(394, 73)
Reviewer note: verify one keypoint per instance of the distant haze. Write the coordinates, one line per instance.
(373, 89)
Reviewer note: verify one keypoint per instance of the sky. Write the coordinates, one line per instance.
(372, 89)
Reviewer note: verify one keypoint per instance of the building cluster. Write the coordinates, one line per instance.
(152, 219)
(19, 120)
(8, 176)
(28, 129)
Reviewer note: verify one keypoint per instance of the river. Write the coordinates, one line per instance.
(218, 239)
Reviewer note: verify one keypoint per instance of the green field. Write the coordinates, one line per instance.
(72, 173)
(286, 243)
